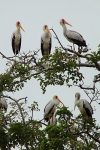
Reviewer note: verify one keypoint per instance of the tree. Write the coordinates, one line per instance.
(59, 68)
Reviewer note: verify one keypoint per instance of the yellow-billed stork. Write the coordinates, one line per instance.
(83, 105)
(50, 108)
(46, 41)
(72, 36)
(16, 39)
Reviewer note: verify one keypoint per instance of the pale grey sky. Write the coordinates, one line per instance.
(84, 15)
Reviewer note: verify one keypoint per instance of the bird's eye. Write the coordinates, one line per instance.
(63, 20)
(45, 26)
(18, 22)
(56, 97)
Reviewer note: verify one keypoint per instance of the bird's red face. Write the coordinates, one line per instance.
(46, 28)
(57, 98)
(18, 24)
(65, 22)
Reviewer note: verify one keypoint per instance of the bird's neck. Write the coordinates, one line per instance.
(46, 33)
(64, 29)
(77, 100)
(18, 30)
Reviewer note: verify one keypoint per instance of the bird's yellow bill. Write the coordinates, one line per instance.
(60, 101)
(48, 30)
(21, 27)
(67, 23)
(74, 107)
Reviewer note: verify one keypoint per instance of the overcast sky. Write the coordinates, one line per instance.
(83, 15)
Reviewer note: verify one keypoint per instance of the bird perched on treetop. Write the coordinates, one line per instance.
(83, 105)
(50, 108)
(72, 36)
(16, 39)
(46, 41)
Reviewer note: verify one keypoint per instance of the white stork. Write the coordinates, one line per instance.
(50, 108)
(16, 39)
(3, 103)
(83, 105)
(72, 36)
(46, 41)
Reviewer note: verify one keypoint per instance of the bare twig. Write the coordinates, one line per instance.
(19, 107)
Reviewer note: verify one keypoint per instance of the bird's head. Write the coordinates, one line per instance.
(63, 21)
(55, 97)
(18, 24)
(45, 28)
(77, 97)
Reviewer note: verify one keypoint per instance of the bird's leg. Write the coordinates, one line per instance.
(79, 51)
(73, 47)
(73, 50)
(49, 121)
(15, 57)
(15, 54)
(18, 55)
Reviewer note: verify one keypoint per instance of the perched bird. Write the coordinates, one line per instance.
(72, 36)
(46, 41)
(50, 108)
(3, 103)
(16, 39)
(83, 105)
(52, 120)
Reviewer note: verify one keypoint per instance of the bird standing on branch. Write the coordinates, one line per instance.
(50, 108)
(84, 106)
(46, 41)
(72, 36)
(16, 39)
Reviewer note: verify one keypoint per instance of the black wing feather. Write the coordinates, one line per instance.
(47, 118)
(50, 46)
(15, 48)
(42, 47)
(19, 46)
(87, 111)
(76, 41)
(13, 43)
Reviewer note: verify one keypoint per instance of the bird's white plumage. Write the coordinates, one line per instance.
(16, 39)
(17, 35)
(72, 36)
(46, 41)
(83, 105)
(51, 107)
